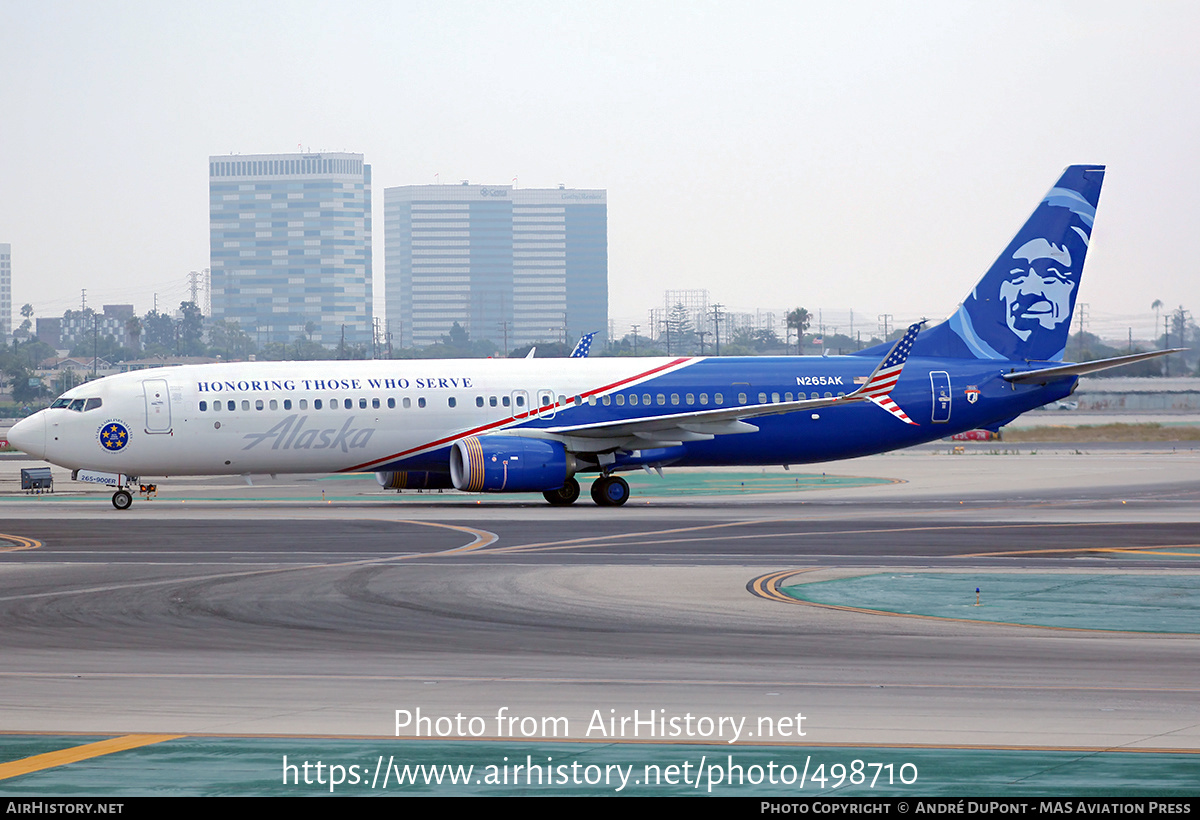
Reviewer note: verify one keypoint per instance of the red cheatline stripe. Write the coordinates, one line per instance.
(505, 422)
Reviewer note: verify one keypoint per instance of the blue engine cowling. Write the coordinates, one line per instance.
(509, 464)
(413, 480)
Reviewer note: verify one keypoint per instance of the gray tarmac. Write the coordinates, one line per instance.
(305, 606)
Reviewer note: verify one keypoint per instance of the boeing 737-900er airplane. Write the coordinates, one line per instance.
(532, 425)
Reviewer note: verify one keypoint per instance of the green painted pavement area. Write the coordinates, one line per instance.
(204, 766)
(642, 485)
(1134, 603)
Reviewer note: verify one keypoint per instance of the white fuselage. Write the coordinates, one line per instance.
(302, 417)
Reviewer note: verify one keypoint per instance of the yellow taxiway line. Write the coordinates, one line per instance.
(74, 754)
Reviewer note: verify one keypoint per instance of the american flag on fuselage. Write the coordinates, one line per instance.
(880, 385)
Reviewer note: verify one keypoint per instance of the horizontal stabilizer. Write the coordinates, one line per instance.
(1047, 374)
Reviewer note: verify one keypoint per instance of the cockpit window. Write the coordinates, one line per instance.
(60, 402)
(76, 405)
(92, 404)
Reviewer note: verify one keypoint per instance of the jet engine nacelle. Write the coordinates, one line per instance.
(509, 464)
(413, 480)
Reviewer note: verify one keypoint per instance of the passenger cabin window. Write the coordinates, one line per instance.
(316, 404)
(479, 401)
(453, 402)
(203, 406)
(391, 404)
(287, 404)
(303, 404)
(421, 402)
(231, 405)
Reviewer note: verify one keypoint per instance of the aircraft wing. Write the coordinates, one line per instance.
(703, 425)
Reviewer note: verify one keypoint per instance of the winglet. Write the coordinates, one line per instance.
(584, 346)
(879, 386)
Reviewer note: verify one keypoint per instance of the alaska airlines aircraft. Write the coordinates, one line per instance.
(532, 425)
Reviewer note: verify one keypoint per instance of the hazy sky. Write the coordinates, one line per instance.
(866, 156)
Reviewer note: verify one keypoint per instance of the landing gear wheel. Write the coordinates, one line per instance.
(122, 500)
(610, 491)
(565, 495)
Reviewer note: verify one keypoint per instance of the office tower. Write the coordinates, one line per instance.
(290, 238)
(514, 266)
(6, 317)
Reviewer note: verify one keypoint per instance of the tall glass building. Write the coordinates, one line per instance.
(6, 317)
(515, 266)
(290, 240)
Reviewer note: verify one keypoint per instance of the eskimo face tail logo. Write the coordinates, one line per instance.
(1021, 309)
(113, 436)
(1037, 293)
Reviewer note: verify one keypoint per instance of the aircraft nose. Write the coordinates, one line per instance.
(29, 435)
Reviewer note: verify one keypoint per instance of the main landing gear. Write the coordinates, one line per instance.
(607, 491)
(567, 494)
(610, 491)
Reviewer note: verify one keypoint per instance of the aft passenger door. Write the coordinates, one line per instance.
(940, 384)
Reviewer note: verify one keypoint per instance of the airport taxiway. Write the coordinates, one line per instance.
(320, 607)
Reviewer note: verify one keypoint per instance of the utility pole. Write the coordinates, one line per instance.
(635, 330)
(1166, 344)
(1082, 309)
(884, 319)
(717, 328)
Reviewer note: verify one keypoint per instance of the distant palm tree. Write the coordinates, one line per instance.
(799, 320)
(133, 330)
